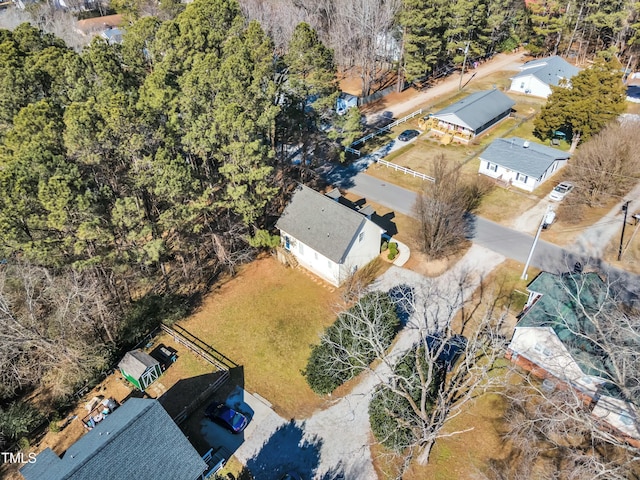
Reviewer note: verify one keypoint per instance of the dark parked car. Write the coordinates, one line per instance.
(226, 417)
(451, 352)
(408, 135)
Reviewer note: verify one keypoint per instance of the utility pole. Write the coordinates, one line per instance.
(625, 209)
(464, 62)
(533, 246)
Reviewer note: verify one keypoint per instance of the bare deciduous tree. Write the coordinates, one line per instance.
(442, 208)
(580, 425)
(607, 165)
(440, 362)
(54, 329)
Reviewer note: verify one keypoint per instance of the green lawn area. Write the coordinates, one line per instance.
(265, 319)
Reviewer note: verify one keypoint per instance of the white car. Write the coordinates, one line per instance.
(561, 191)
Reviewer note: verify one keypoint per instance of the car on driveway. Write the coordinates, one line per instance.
(408, 135)
(560, 191)
(226, 417)
(450, 352)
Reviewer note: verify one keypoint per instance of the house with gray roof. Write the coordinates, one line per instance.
(327, 237)
(138, 440)
(471, 116)
(556, 338)
(521, 163)
(538, 76)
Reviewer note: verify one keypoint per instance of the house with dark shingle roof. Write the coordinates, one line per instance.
(138, 440)
(538, 76)
(521, 163)
(327, 237)
(556, 338)
(472, 115)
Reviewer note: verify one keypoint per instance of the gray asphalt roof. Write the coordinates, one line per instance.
(479, 108)
(136, 362)
(323, 224)
(549, 70)
(533, 160)
(139, 440)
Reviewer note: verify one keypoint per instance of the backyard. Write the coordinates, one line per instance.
(265, 319)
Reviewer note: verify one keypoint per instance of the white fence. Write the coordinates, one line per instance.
(406, 170)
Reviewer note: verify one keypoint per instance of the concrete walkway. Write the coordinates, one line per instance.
(403, 253)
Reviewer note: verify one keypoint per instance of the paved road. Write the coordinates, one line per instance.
(505, 241)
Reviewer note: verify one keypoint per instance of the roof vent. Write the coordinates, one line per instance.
(526, 144)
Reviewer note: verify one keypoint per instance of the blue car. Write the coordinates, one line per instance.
(227, 417)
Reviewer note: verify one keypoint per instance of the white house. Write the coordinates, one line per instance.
(521, 163)
(537, 76)
(326, 237)
(552, 339)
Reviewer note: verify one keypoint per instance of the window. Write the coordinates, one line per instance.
(361, 236)
(315, 254)
(301, 249)
(329, 263)
(521, 178)
(287, 242)
(522, 85)
(492, 167)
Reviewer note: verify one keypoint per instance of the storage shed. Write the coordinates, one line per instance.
(140, 368)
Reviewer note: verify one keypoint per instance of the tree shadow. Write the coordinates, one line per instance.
(403, 297)
(288, 450)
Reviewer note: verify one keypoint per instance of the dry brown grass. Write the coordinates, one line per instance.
(502, 206)
(631, 249)
(265, 319)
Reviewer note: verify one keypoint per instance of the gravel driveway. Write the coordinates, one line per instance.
(336, 441)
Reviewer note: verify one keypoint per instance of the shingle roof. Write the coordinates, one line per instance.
(549, 70)
(560, 307)
(533, 160)
(139, 440)
(323, 224)
(136, 362)
(478, 108)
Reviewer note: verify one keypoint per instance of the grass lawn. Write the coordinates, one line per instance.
(265, 319)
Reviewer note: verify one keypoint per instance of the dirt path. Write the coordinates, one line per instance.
(398, 105)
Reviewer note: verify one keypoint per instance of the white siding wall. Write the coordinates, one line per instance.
(362, 251)
(521, 181)
(530, 85)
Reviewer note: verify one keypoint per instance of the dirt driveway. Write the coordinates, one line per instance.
(397, 105)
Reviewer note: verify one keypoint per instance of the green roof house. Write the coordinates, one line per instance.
(140, 368)
(139, 441)
(556, 338)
